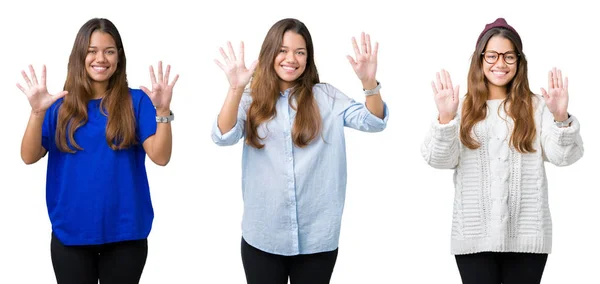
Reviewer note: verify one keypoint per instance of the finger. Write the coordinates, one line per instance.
(231, 52)
(554, 78)
(544, 93)
(443, 78)
(550, 80)
(220, 65)
(21, 88)
(33, 77)
(224, 55)
(559, 79)
(242, 52)
(368, 45)
(145, 90)
(438, 82)
(351, 60)
(26, 78)
(448, 80)
(167, 72)
(43, 78)
(160, 72)
(152, 76)
(174, 81)
(435, 91)
(355, 46)
(375, 50)
(566, 84)
(456, 92)
(253, 66)
(363, 42)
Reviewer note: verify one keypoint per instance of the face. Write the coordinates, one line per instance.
(102, 57)
(291, 59)
(500, 73)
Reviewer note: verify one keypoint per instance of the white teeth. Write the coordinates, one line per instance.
(288, 68)
(98, 68)
(499, 72)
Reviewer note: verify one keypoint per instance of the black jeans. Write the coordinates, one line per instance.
(265, 268)
(501, 267)
(113, 263)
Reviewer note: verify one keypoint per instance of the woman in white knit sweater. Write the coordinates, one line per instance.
(497, 142)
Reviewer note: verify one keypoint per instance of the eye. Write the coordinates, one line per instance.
(92, 51)
(282, 51)
(110, 52)
(301, 53)
(491, 56)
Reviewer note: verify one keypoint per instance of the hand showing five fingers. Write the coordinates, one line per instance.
(162, 92)
(446, 96)
(37, 93)
(557, 97)
(365, 61)
(235, 67)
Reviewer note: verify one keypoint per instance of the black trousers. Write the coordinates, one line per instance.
(113, 263)
(265, 268)
(501, 267)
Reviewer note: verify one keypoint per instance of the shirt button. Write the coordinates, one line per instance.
(290, 158)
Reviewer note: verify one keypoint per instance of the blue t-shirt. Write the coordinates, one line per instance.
(98, 195)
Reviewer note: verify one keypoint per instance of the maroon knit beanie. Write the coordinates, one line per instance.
(501, 23)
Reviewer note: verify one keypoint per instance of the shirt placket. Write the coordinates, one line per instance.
(285, 109)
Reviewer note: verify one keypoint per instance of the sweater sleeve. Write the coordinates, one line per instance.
(441, 146)
(560, 146)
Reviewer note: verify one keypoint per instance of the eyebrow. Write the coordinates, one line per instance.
(92, 46)
(296, 48)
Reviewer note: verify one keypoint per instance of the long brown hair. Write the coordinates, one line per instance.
(265, 88)
(116, 103)
(519, 100)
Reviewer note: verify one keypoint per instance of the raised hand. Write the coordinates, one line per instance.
(557, 97)
(365, 61)
(37, 93)
(235, 68)
(446, 96)
(162, 92)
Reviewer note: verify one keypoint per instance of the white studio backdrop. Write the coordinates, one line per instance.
(397, 218)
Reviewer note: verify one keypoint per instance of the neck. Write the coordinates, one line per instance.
(496, 92)
(99, 89)
(283, 85)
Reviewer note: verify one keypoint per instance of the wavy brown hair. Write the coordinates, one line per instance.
(518, 103)
(265, 88)
(116, 103)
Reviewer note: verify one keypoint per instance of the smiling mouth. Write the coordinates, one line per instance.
(289, 68)
(501, 73)
(100, 69)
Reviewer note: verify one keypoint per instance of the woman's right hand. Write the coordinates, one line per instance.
(235, 68)
(37, 93)
(446, 96)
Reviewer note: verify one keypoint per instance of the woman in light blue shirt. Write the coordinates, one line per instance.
(294, 159)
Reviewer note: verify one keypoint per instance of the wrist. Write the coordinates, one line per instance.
(559, 117)
(445, 118)
(38, 113)
(369, 84)
(163, 111)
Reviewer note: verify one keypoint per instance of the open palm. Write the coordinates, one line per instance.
(365, 61)
(557, 96)
(162, 92)
(445, 95)
(37, 93)
(235, 67)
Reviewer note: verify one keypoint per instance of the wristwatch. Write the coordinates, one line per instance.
(373, 91)
(566, 122)
(165, 119)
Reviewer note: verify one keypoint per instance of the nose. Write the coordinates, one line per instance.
(290, 57)
(100, 57)
(501, 61)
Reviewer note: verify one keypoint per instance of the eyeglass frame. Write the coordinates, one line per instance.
(503, 56)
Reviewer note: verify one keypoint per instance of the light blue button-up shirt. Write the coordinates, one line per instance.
(294, 197)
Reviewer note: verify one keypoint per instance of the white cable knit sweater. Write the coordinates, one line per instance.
(501, 195)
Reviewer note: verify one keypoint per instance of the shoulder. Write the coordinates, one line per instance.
(137, 95)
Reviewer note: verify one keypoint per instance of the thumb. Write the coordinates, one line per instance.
(544, 93)
(351, 60)
(145, 90)
(253, 66)
(59, 95)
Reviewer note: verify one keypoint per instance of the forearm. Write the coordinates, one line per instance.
(162, 143)
(374, 103)
(31, 145)
(228, 115)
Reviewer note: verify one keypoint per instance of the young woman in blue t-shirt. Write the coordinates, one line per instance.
(97, 133)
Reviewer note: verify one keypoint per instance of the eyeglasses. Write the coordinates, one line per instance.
(509, 57)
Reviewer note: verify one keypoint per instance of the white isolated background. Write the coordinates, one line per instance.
(396, 224)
